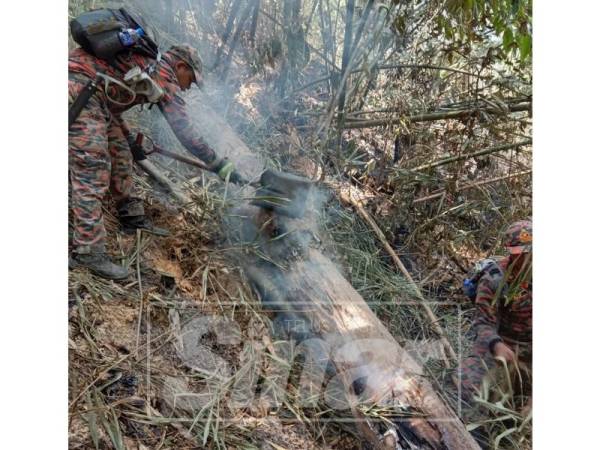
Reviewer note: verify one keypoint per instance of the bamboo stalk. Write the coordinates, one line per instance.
(384, 67)
(310, 18)
(228, 29)
(325, 37)
(349, 198)
(485, 151)
(472, 185)
(346, 54)
(439, 115)
(467, 103)
(254, 22)
(340, 95)
(361, 25)
(234, 40)
(425, 66)
(317, 51)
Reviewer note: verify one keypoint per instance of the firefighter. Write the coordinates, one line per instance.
(503, 320)
(100, 159)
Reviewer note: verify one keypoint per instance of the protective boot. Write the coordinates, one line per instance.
(100, 264)
(132, 223)
(132, 216)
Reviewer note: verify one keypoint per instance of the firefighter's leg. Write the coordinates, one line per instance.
(89, 171)
(89, 177)
(130, 207)
(473, 369)
(121, 182)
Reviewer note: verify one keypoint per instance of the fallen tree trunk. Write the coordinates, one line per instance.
(366, 350)
(370, 365)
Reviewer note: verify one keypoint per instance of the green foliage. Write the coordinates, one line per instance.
(505, 23)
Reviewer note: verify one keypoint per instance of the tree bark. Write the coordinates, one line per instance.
(254, 22)
(346, 53)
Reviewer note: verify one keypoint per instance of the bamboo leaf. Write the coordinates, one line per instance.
(507, 39)
(525, 46)
(92, 420)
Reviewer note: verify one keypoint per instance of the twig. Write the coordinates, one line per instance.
(95, 380)
(148, 335)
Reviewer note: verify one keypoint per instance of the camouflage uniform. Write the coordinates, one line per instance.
(504, 313)
(99, 155)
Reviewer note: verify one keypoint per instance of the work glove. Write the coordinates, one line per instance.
(226, 170)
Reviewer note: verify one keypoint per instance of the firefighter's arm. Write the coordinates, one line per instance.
(486, 322)
(501, 350)
(174, 111)
(486, 317)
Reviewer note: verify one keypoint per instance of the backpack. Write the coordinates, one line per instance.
(106, 33)
(488, 266)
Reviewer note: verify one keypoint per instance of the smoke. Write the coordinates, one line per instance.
(267, 244)
(219, 115)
